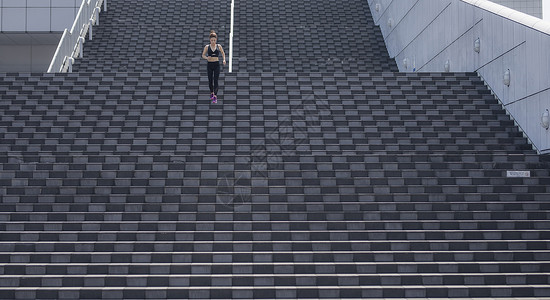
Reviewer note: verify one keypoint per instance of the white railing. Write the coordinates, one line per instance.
(231, 36)
(72, 42)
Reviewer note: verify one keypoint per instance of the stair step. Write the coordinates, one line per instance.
(265, 280)
(284, 292)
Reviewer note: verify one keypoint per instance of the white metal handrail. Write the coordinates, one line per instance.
(72, 42)
(231, 36)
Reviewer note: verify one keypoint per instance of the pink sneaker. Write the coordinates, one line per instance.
(212, 97)
(215, 99)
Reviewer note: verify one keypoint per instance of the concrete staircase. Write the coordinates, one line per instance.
(306, 181)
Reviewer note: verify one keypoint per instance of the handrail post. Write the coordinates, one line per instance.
(81, 46)
(96, 15)
(71, 61)
(90, 29)
(104, 5)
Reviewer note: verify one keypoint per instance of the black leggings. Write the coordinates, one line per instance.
(213, 75)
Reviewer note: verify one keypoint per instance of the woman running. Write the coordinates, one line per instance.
(211, 53)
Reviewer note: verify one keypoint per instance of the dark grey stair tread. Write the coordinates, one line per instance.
(226, 213)
(148, 245)
(298, 256)
(248, 268)
(264, 280)
(287, 292)
(238, 225)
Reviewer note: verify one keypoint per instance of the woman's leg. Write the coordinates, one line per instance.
(216, 72)
(210, 77)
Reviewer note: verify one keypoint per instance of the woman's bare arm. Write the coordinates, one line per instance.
(204, 52)
(223, 54)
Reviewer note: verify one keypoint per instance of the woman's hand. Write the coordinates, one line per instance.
(224, 62)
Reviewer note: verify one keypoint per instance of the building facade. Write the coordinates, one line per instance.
(30, 31)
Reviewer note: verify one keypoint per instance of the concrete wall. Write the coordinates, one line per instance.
(427, 34)
(37, 15)
(27, 52)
